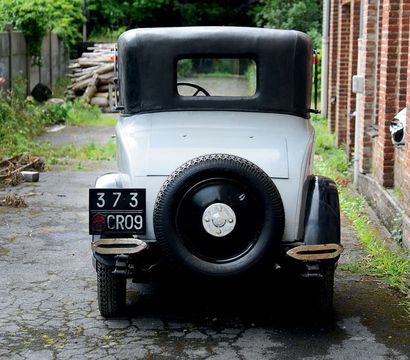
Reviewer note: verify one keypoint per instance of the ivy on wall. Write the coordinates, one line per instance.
(35, 18)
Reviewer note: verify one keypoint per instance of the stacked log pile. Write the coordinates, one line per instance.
(92, 76)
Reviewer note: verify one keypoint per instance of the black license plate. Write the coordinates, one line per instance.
(117, 211)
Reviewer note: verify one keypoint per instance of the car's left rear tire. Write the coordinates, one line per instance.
(111, 291)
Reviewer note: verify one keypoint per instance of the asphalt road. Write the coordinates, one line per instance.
(48, 307)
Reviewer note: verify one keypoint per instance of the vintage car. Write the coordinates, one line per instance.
(214, 152)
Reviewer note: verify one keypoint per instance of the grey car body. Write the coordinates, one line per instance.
(234, 172)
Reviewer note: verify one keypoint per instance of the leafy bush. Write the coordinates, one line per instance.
(51, 113)
(302, 15)
(106, 34)
(113, 14)
(19, 120)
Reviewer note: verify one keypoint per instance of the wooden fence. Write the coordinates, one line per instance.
(15, 60)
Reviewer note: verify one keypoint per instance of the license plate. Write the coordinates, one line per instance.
(117, 211)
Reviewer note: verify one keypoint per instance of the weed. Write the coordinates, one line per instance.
(60, 87)
(59, 155)
(398, 192)
(82, 114)
(396, 232)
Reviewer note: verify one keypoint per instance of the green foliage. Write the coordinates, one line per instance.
(396, 231)
(398, 193)
(60, 87)
(50, 113)
(184, 68)
(22, 119)
(112, 14)
(106, 34)
(81, 113)
(60, 155)
(35, 18)
(302, 15)
(332, 160)
(66, 19)
(31, 17)
(19, 120)
(390, 265)
(251, 78)
(216, 12)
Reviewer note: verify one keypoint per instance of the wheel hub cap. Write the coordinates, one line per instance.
(219, 219)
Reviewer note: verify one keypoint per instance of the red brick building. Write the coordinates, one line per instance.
(369, 39)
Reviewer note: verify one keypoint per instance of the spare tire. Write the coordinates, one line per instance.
(218, 215)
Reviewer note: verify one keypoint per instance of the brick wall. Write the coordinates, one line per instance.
(384, 62)
(400, 167)
(388, 104)
(369, 70)
(342, 81)
(333, 36)
(352, 65)
(406, 173)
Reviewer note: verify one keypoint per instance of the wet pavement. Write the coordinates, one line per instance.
(48, 307)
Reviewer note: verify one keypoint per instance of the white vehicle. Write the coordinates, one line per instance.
(215, 151)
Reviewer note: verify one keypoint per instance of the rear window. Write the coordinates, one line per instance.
(216, 77)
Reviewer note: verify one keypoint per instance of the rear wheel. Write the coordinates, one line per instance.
(111, 291)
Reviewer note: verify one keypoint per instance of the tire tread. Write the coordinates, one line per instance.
(111, 291)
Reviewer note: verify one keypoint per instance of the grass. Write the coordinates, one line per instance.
(81, 120)
(83, 114)
(60, 87)
(59, 155)
(393, 266)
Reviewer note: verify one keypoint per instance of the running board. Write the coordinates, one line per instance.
(315, 252)
(118, 246)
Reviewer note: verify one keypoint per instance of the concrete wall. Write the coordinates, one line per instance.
(14, 59)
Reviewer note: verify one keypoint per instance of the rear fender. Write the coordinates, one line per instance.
(109, 180)
(322, 216)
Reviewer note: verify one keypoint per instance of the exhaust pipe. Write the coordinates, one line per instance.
(315, 252)
(118, 246)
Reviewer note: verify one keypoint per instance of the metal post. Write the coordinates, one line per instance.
(28, 67)
(84, 6)
(9, 29)
(359, 94)
(50, 59)
(325, 57)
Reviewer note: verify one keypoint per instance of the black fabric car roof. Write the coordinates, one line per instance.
(148, 58)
